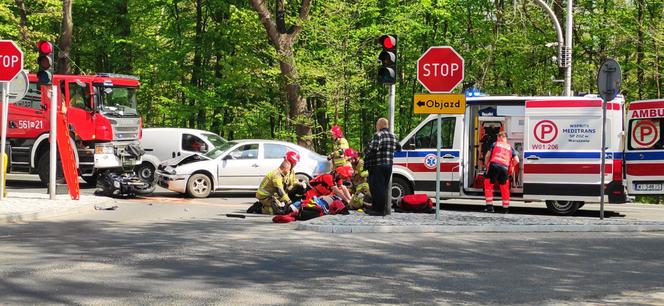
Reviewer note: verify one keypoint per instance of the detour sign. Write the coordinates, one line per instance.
(439, 104)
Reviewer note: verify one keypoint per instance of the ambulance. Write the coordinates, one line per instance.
(558, 140)
(644, 154)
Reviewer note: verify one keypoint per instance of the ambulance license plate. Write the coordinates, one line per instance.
(648, 187)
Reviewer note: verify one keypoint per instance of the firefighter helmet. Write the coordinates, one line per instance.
(336, 131)
(350, 153)
(292, 157)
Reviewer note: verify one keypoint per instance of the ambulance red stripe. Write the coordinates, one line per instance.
(565, 168)
(571, 103)
(645, 169)
(646, 105)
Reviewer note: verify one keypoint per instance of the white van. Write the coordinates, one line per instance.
(161, 144)
(558, 140)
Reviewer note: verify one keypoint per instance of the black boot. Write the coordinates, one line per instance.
(488, 208)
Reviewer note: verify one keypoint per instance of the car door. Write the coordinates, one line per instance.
(420, 151)
(239, 169)
(273, 155)
(562, 158)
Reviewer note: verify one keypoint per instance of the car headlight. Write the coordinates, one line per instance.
(101, 149)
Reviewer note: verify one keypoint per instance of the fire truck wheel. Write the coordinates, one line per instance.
(400, 188)
(199, 186)
(563, 208)
(44, 162)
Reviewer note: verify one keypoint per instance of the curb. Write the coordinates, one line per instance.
(478, 228)
(13, 218)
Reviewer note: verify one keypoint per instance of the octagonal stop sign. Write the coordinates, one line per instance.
(11, 60)
(440, 69)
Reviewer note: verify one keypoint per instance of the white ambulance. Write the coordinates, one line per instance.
(644, 155)
(559, 145)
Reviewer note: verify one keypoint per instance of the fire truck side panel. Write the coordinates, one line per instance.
(418, 156)
(562, 149)
(644, 152)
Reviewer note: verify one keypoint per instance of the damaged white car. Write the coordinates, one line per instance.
(236, 165)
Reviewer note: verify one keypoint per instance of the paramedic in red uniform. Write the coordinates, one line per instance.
(499, 158)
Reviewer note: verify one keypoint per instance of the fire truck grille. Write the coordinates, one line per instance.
(125, 128)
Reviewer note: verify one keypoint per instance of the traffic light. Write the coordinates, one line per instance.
(45, 62)
(387, 74)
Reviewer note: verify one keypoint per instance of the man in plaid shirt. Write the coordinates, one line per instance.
(378, 159)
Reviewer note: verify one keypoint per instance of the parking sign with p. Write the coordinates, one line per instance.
(645, 134)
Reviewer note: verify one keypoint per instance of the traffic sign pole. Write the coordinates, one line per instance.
(53, 145)
(609, 79)
(438, 144)
(3, 138)
(388, 206)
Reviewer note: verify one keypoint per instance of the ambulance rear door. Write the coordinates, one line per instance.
(563, 149)
(644, 154)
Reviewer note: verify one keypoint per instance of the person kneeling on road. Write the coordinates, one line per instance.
(499, 158)
(273, 191)
(331, 184)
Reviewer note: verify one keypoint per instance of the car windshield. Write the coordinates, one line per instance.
(216, 140)
(118, 101)
(218, 150)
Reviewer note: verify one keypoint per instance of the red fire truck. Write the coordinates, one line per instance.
(102, 117)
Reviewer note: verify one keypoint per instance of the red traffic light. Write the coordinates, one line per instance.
(44, 47)
(388, 41)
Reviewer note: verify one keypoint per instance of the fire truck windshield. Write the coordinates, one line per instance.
(118, 101)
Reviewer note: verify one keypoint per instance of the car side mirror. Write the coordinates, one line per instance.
(227, 157)
(409, 146)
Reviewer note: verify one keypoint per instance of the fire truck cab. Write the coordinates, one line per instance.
(102, 117)
(558, 140)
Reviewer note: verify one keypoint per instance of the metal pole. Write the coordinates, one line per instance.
(53, 145)
(556, 26)
(568, 48)
(3, 141)
(388, 205)
(601, 187)
(438, 145)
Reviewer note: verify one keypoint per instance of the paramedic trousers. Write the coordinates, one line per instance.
(379, 178)
(497, 174)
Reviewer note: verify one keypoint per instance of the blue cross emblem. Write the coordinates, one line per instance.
(430, 161)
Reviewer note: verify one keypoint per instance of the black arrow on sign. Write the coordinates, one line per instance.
(420, 103)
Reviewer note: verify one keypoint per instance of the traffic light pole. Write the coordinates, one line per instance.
(53, 148)
(388, 206)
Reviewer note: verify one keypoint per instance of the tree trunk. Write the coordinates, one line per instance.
(283, 44)
(24, 21)
(124, 28)
(64, 42)
(197, 117)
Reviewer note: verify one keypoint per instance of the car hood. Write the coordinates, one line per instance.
(184, 159)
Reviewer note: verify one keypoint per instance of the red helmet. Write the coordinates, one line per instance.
(292, 157)
(336, 131)
(351, 153)
(345, 172)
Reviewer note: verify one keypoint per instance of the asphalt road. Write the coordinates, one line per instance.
(175, 251)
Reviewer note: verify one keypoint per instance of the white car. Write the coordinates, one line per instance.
(236, 165)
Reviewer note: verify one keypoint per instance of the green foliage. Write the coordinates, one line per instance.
(222, 74)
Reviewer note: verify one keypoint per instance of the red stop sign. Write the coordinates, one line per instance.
(11, 60)
(440, 69)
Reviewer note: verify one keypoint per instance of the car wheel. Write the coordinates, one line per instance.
(44, 169)
(400, 188)
(145, 172)
(91, 180)
(199, 186)
(563, 208)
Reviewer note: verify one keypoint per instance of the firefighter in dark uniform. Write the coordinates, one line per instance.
(499, 159)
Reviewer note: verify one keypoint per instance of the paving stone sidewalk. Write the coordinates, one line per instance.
(23, 207)
(464, 221)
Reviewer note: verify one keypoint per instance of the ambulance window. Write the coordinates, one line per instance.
(425, 138)
(646, 134)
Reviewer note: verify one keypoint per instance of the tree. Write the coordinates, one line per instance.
(64, 42)
(282, 40)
